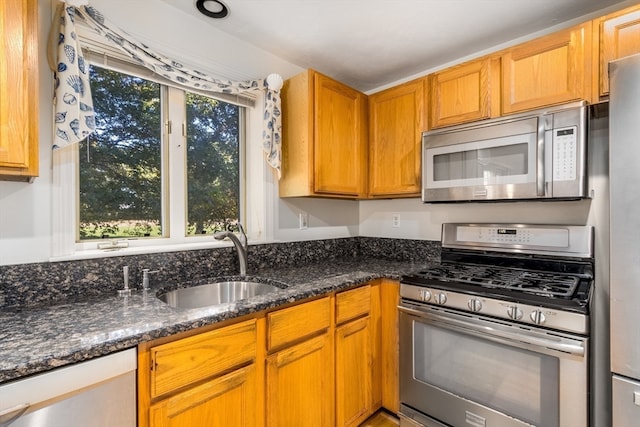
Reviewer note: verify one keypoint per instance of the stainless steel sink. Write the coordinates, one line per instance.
(215, 293)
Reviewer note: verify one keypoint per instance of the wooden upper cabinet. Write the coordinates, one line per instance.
(18, 90)
(549, 70)
(619, 37)
(396, 122)
(465, 93)
(325, 138)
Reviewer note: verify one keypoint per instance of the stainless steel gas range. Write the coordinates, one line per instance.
(497, 333)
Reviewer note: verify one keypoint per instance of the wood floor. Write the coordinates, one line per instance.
(381, 419)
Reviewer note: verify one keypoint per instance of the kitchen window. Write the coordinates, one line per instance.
(166, 169)
(126, 165)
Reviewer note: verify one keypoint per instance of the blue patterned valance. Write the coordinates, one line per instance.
(74, 115)
(74, 109)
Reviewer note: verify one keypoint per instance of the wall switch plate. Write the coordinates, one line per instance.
(303, 219)
(395, 220)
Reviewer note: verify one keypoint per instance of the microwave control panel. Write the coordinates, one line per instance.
(565, 146)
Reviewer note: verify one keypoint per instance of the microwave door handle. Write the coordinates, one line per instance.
(540, 158)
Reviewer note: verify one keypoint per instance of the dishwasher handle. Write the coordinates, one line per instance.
(17, 411)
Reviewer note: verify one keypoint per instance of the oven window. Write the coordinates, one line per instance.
(520, 383)
(483, 163)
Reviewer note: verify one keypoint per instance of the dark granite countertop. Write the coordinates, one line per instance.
(35, 340)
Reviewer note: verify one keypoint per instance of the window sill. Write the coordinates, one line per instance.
(144, 250)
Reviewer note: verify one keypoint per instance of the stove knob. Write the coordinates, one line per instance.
(514, 312)
(441, 298)
(475, 305)
(537, 317)
(425, 295)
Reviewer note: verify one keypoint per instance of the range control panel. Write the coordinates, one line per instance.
(507, 310)
(564, 240)
(551, 237)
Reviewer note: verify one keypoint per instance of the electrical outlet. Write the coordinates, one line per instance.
(303, 219)
(395, 220)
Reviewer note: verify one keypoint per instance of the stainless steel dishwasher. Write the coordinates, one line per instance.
(97, 393)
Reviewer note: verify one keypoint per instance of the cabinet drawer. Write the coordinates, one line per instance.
(291, 324)
(189, 360)
(353, 303)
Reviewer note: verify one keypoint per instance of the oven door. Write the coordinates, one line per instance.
(469, 371)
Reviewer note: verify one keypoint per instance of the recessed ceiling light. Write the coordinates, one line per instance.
(212, 8)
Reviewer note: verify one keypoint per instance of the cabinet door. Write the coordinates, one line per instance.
(300, 385)
(619, 37)
(228, 401)
(396, 119)
(353, 372)
(464, 93)
(390, 298)
(546, 71)
(339, 138)
(18, 89)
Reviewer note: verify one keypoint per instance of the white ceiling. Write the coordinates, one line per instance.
(371, 43)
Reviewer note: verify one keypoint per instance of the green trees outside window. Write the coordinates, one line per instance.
(124, 164)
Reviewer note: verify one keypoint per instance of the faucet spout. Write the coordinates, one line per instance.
(241, 245)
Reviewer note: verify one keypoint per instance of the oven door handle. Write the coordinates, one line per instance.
(486, 331)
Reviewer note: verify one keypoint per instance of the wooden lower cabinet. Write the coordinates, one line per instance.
(354, 367)
(331, 361)
(357, 356)
(210, 378)
(228, 401)
(389, 345)
(300, 385)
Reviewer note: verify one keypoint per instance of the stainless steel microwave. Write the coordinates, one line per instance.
(536, 155)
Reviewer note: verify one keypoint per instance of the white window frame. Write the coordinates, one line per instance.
(257, 204)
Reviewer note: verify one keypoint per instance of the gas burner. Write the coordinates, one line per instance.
(545, 282)
(535, 282)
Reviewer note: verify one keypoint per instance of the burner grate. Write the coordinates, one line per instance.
(534, 282)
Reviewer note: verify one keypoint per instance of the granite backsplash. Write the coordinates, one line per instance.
(53, 282)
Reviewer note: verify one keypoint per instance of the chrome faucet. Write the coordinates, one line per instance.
(241, 245)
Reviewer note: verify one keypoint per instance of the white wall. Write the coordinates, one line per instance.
(25, 226)
(327, 219)
(424, 221)
(195, 41)
(25, 209)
